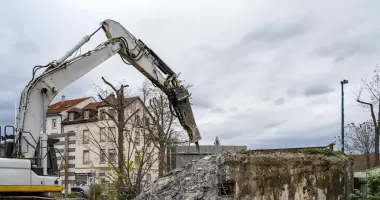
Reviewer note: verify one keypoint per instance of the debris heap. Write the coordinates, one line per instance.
(271, 175)
(196, 180)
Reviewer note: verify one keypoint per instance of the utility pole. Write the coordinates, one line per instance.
(342, 134)
(66, 155)
(93, 184)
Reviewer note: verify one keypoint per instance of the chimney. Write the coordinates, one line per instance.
(63, 98)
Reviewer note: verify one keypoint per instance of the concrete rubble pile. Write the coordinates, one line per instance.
(196, 180)
(258, 175)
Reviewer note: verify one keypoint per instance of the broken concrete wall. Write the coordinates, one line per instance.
(258, 175)
(288, 175)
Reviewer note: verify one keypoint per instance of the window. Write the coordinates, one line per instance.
(137, 138)
(149, 162)
(102, 115)
(86, 114)
(71, 116)
(103, 156)
(112, 113)
(148, 177)
(86, 134)
(103, 136)
(112, 155)
(102, 178)
(112, 134)
(137, 160)
(54, 123)
(86, 157)
(146, 121)
(137, 119)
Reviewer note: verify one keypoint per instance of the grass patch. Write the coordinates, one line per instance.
(327, 152)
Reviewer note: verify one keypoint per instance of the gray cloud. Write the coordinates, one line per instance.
(293, 142)
(233, 108)
(217, 110)
(343, 49)
(25, 47)
(234, 57)
(318, 101)
(321, 136)
(277, 32)
(279, 101)
(317, 90)
(273, 125)
(291, 93)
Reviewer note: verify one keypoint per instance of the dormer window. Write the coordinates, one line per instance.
(71, 116)
(86, 114)
(102, 115)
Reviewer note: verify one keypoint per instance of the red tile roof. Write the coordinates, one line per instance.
(67, 104)
(94, 106)
(78, 110)
(112, 100)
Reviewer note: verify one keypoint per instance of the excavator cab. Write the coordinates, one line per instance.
(7, 145)
(7, 141)
(52, 163)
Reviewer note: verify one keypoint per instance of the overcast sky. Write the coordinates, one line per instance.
(265, 74)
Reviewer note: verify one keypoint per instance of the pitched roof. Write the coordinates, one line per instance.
(73, 109)
(112, 100)
(62, 106)
(92, 106)
(95, 106)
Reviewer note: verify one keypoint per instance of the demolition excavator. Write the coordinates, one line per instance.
(28, 166)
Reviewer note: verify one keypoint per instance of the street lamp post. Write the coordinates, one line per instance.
(342, 83)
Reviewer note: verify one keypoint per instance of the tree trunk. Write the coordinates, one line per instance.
(161, 160)
(120, 138)
(376, 149)
(377, 132)
(368, 164)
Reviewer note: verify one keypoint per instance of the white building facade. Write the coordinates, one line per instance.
(57, 113)
(95, 149)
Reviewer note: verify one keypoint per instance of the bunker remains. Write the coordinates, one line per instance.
(258, 175)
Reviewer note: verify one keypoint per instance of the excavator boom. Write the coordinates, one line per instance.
(31, 144)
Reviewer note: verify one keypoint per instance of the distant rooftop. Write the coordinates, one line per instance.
(64, 105)
(93, 108)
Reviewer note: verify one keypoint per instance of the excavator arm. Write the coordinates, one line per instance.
(41, 90)
(148, 63)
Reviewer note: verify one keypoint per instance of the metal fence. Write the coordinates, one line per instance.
(360, 182)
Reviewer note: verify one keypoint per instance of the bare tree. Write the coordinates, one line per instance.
(217, 142)
(370, 89)
(165, 129)
(129, 158)
(360, 139)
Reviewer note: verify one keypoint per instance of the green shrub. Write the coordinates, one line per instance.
(74, 195)
(327, 152)
(99, 190)
(373, 192)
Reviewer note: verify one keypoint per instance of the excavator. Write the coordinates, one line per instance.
(28, 166)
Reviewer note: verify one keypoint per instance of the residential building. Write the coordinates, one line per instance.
(57, 113)
(180, 155)
(362, 166)
(96, 138)
(361, 163)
